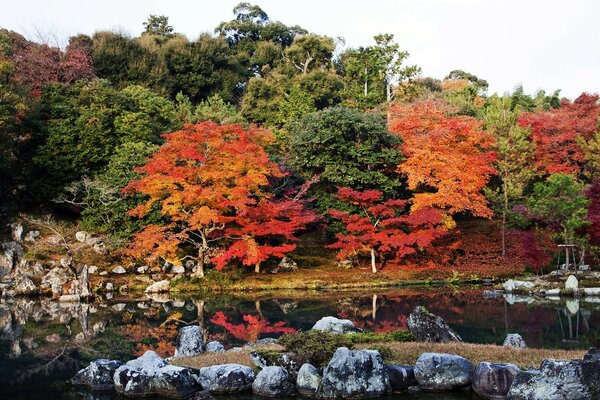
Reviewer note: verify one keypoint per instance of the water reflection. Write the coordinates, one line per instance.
(42, 343)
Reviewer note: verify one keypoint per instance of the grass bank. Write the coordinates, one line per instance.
(407, 353)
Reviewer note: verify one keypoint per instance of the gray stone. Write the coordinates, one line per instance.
(514, 285)
(261, 343)
(82, 236)
(149, 362)
(69, 298)
(189, 341)
(98, 376)
(572, 284)
(427, 327)
(354, 374)
(283, 359)
(273, 382)
(158, 287)
(119, 270)
(178, 269)
(558, 380)
(214, 347)
(16, 231)
(401, 377)
(286, 264)
(335, 325)
(226, 378)
(31, 236)
(109, 287)
(308, 380)
(66, 262)
(25, 287)
(99, 248)
(439, 371)
(143, 269)
(92, 269)
(131, 382)
(492, 381)
(11, 254)
(174, 382)
(514, 340)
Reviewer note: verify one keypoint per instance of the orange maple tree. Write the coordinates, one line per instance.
(558, 133)
(448, 158)
(211, 182)
(383, 227)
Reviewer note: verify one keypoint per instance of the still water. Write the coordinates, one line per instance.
(43, 343)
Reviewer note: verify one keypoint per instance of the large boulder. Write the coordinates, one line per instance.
(355, 374)
(427, 327)
(572, 284)
(10, 256)
(401, 377)
(439, 372)
(16, 231)
(25, 287)
(514, 340)
(226, 378)
(149, 375)
(335, 325)
(283, 359)
(559, 379)
(189, 341)
(55, 279)
(515, 286)
(492, 381)
(308, 380)
(98, 376)
(273, 381)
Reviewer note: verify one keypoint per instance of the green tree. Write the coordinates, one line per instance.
(158, 25)
(515, 158)
(343, 147)
(559, 202)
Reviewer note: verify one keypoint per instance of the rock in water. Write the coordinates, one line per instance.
(558, 380)
(226, 378)
(514, 340)
(439, 371)
(427, 327)
(401, 377)
(352, 374)
(273, 382)
(189, 341)
(308, 380)
(572, 285)
(175, 382)
(512, 285)
(98, 376)
(492, 381)
(335, 325)
(158, 287)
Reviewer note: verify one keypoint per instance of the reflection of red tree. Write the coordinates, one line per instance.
(251, 330)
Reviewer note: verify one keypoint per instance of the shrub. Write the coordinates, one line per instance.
(372, 337)
(315, 347)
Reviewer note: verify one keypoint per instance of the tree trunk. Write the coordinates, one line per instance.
(366, 82)
(374, 307)
(201, 324)
(566, 250)
(373, 266)
(257, 268)
(200, 266)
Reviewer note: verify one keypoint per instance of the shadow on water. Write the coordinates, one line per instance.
(43, 343)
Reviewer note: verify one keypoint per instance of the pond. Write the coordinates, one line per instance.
(43, 343)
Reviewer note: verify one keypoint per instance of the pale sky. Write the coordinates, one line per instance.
(542, 44)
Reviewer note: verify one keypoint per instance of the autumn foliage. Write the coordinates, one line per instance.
(383, 227)
(448, 158)
(211, 183)
(253, 327)
(557, 133)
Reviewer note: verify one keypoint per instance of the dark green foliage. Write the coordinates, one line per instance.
(84, 123)
(314, 347)
(345, 148)
(372, 337)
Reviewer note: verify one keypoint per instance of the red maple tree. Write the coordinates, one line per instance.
(557, 133)
(252, 329)
(383, 227)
